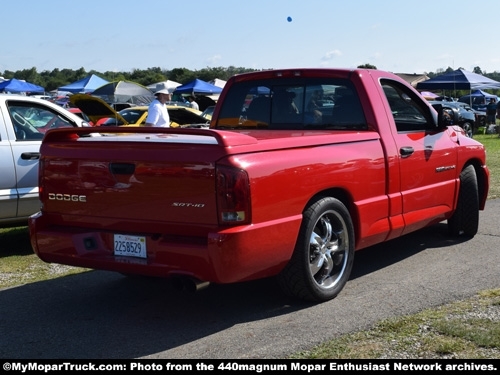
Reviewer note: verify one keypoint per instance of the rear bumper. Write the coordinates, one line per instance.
(229, 255)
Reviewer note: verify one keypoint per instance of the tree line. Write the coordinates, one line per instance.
(52, 80)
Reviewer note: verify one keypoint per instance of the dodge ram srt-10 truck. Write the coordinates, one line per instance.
(23, 122)
(299, 169)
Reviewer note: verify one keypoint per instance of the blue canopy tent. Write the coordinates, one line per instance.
(478, 99)
(459, 79)
(85, 85)
(198, 87)
(15, 85)
(477, 96)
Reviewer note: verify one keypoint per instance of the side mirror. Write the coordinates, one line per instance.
(446, 116)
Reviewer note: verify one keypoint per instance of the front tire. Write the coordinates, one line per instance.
(323, 257)
(465, 219)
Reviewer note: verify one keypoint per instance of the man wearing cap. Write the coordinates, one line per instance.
(157, 111)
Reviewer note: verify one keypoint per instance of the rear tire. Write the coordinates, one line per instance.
(323, 257)
(465, 220)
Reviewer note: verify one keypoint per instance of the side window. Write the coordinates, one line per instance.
(407, 110)
(31, 120)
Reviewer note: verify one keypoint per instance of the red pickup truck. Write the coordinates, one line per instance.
(298, 170)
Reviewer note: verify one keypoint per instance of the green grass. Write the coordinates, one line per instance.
(19, 265)
(492, 144)
(461, 330)
(464, 329)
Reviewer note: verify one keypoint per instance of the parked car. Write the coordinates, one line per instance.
(208, 112)
(23, 123)
(136, 116)
(35, 121)
(467, 117)
(478, 100)
(79, 113)
(97, 110)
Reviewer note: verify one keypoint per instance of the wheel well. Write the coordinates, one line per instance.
(341, 194)
(345, 197)
(481, 180)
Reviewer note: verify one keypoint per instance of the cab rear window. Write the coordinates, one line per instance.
(292, 104)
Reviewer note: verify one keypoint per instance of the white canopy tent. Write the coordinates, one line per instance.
(168, 84)
(218, 82)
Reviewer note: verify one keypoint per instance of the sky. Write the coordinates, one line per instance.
(109, 35)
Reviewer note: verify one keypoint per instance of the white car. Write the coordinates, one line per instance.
(23, 123)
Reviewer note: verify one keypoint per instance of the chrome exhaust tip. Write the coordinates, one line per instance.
(189, 284)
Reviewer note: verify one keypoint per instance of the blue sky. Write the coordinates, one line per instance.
(107, 35)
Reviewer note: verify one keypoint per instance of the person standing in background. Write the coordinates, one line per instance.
(498, 116)
(491, 111)
(498, 109)
(157, 111)
(192, 102)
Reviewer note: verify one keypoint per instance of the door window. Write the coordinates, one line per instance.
(32, 120)
(408, 113)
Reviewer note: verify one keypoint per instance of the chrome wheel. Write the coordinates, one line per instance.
(322, 260)
(468, 128)
(328, 247)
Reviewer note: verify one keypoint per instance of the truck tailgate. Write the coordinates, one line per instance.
(147, 176)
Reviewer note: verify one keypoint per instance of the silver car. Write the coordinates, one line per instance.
(23, 123)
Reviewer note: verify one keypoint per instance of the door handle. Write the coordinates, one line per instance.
(30, 155)
(122, 168)
(406, 151)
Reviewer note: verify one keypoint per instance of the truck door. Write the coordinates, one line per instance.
(427, 158)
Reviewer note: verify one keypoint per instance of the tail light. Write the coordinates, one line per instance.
(233, 196)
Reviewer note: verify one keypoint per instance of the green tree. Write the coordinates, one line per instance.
(148, 76)
(29, 75)
(51, 80)
(477, 70)
(182, 75)
(367, 66)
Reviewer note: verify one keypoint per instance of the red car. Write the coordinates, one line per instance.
(78, 112)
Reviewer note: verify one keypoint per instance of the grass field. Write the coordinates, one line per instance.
(465, 329)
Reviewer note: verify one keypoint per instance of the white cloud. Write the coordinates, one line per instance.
(331, 55)
(214, 59)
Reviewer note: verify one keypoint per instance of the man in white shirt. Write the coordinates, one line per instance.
(193, 104)
(157, 111)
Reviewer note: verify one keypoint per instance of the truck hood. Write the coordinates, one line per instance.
(95, 108)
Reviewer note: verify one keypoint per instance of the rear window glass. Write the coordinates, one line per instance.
(298, 103)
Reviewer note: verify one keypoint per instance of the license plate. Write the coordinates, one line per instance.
(130, 246)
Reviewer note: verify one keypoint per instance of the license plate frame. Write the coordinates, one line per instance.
(126, 245)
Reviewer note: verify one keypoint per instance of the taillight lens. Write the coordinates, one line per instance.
(233, 196)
